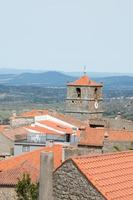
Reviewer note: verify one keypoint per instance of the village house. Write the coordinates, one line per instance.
(54, 128)
(7, 138)
(105, 140)
(37, 128)
(49, 131)
(99, 177)
(14, 168)
(34, 115)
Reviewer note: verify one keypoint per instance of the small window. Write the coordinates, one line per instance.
(67, 137)
(95, 92)
(78, 90)
(95, 89)
(25, 148)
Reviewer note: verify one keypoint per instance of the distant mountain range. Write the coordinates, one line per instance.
(51, 78)
(7, 71)
(57, 79)
(98, 74)
(19, 71)
(113, 82)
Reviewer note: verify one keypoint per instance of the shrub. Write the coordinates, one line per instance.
(26, 190)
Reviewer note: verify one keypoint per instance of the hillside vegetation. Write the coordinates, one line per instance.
(48, 90)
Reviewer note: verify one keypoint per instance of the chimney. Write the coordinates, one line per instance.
(106, 135)
(46, 176)
(106, 143)
(82, 128)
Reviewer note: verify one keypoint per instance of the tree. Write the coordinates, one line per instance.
(26, 190)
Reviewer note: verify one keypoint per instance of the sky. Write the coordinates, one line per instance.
(65, 35)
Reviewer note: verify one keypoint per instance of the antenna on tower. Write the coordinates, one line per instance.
(85, 70)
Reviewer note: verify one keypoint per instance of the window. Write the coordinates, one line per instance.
(78, 90)
(67, 137)
(25, 148)
(95, 93)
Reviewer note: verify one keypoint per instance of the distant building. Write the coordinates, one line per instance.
(84, 98)
(105, 140)
(32, 116)
(46, 130)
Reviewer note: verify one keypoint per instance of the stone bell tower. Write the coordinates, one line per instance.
(84, 98)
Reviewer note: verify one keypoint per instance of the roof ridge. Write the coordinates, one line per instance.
(31, 152)
(102, 155)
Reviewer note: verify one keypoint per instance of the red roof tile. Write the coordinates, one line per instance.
(63, 117)
(84, 81)
(42, 130)
(12, 168)
(111, 174)
(34, 113)
(3, 127)
(56, 126)
(120, 135)
(95, 136)
(92, 137)
(12, 132)
(67, 118)
(10, 176)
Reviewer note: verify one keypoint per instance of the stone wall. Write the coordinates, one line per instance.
(70, 184)
(83, 107)
(113, 146)
(112, 123)
(108, 146)
(16, 122)
(119, 124)
(7, 193)
(6, 145)
(78, 151)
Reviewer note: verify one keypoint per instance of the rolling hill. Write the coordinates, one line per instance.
(57, 79)
(51, 78)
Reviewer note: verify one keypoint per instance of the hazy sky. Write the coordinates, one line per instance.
(67, 34)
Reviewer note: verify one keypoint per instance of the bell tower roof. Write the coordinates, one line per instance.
(84, 81)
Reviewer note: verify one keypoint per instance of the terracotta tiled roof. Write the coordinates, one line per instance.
(12, 132)
(120, 135)
(34, 113)
(63, 117)
(57, 126)
(111, 174)
(68, 119)
(10, 176)
(95, 136)
(42, 130)
(3, 127)
(84, 81)
(13, 168)
(92, 137)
